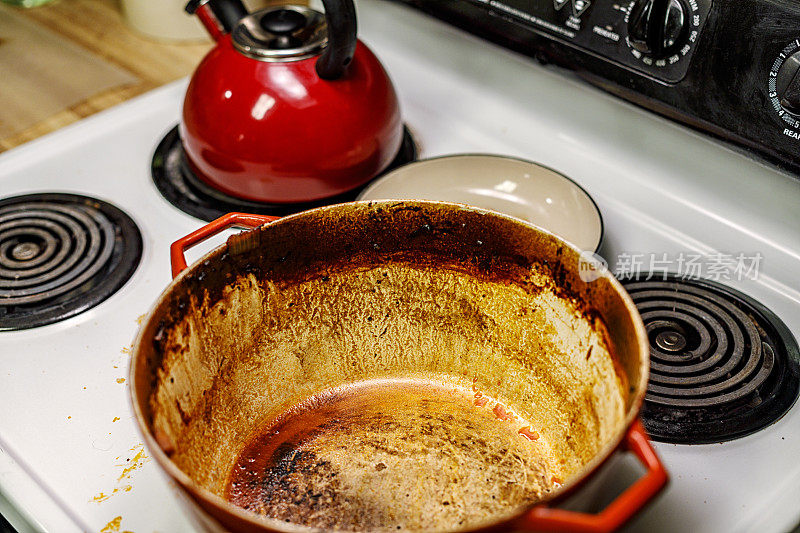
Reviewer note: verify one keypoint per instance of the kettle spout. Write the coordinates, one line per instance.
(218, 16)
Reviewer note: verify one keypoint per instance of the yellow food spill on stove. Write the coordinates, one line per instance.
(113, 525)
(134, 463)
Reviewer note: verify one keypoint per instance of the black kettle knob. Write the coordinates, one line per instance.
(340, 16)
(283, 21)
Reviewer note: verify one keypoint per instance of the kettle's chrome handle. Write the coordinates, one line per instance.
(342, 34)
(340, 16)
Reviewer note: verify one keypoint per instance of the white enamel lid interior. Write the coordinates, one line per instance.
(511, 186)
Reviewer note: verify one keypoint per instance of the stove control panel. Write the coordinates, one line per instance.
(730, 68)
(653, 37)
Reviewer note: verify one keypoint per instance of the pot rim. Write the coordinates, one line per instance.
(198, 492)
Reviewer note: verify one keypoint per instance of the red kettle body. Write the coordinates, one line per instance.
(289, 106)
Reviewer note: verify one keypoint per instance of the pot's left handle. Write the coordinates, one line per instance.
(241, 220)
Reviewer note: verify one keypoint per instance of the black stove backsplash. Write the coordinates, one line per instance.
(727, 67)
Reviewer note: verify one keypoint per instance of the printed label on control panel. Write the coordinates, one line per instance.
(528, 18)
(607, 33)
(573, 22)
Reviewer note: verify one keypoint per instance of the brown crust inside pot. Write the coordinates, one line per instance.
(393, 291)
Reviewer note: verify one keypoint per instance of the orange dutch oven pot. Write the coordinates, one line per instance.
(487, 375)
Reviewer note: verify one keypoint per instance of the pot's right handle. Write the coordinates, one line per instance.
(627, 504)
(241, 220)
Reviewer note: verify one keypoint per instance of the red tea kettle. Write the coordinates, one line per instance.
(289, 106)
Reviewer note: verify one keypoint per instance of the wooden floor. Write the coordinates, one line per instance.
(97, 25)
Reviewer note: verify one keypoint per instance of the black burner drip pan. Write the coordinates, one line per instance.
(178, 184)
(722, 365)
(61, 254)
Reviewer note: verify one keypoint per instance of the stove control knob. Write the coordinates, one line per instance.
(787, 84)
(657, 28)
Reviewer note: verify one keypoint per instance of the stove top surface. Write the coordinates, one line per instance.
(71, 458)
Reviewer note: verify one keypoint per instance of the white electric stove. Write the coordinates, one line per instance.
(71, 458)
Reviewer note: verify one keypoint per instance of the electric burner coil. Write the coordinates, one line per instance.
(61, 254)
(722, 365)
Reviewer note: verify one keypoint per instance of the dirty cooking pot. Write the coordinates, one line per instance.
(392, 365)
